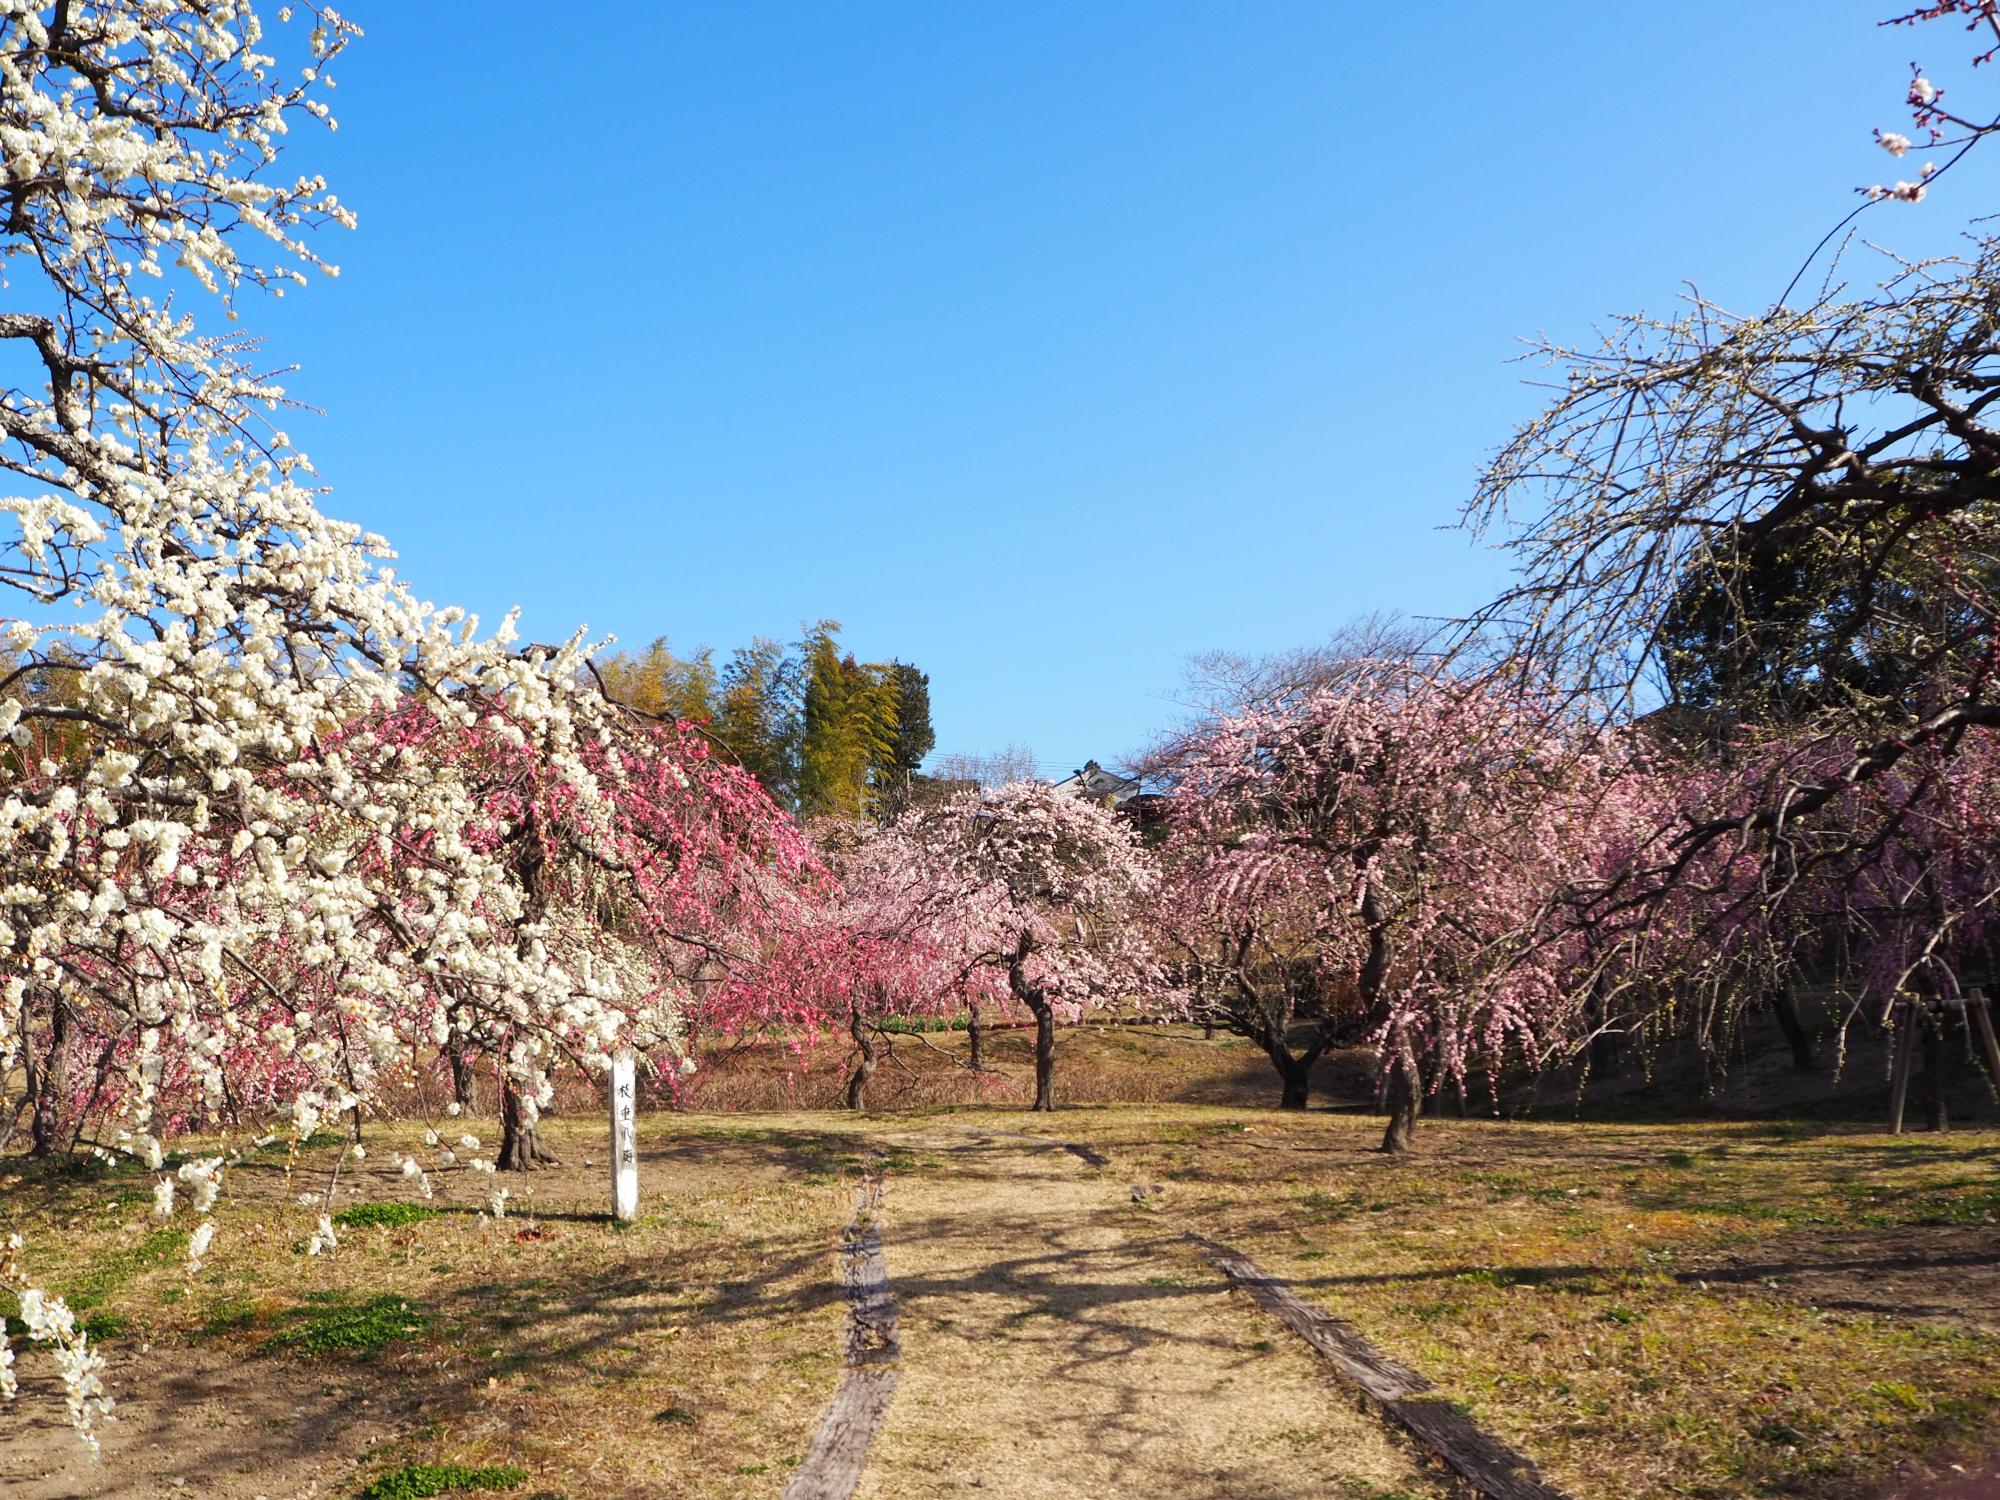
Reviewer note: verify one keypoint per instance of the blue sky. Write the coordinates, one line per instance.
(1040, 344)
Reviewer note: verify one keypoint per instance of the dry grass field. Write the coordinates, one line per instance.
(1712, 1308)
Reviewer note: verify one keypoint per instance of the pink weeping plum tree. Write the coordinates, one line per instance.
(1036, 891)
(1399, 841)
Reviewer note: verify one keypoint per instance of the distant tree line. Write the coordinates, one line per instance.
(827, 735)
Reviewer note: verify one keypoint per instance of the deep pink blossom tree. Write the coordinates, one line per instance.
(865, 940)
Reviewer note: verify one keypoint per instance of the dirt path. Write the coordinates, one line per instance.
(215, 1426)
(1061, 1339)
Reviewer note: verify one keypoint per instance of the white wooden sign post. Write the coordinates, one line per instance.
(624, 1139)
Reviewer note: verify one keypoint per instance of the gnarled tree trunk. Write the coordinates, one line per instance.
(1045, 1053)
(459, 1057)
(1405, 1095)
(1297, 1081)
(864, 1067)
(1405, 1083)
(45, 1129)
(975, 1037)
(1037, 1001)
(1936, 1063)
(1294, 1069)
(521, 1148)
(1607, 1055)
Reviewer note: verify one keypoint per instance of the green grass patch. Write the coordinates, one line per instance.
(417, 1481)
(239, 1314)
(336, 1327)
(111, 1273)
(313, 1142)
(101, 1326)
(359, 1214)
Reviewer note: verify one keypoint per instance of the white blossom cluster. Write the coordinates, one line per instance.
(49, 1321)
(239, 906)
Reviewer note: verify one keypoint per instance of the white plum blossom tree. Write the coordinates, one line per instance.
(188, 824)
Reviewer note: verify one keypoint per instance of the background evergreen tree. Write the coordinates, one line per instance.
(758, 720)
(827, 735)
(658, 682)
(849, 730)
(914, 736)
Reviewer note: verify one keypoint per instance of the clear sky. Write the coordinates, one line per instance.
(1041, 344)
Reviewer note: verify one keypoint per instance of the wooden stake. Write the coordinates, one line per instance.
(1979, 1010)
(1905, 1057)
(624, 1139)
(833, 1461)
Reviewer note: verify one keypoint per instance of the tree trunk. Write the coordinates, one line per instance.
(1294, 1074)
(975, 1036)
(864, 1067)
(521, 1148)
(1045, 1054)
(1297, 1084)
(45, 1131)
(1936, 1058)
(1795, 1032)
(1405, 1086)
(1607, 1057)
(1036, 999)
(460, 1059)
(1405, 1095)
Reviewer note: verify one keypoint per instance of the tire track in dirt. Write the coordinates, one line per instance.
(1061, 1340)
(833, 1462)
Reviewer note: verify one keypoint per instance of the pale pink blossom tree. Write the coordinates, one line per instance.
(1400, 840)
(1041, 891)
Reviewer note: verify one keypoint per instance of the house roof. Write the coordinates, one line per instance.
(1096, 783)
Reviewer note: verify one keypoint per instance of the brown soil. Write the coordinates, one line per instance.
(1963, 1479)
(191, 1423)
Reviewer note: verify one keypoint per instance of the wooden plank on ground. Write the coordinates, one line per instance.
(831, 1468)
(1478, 1457)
